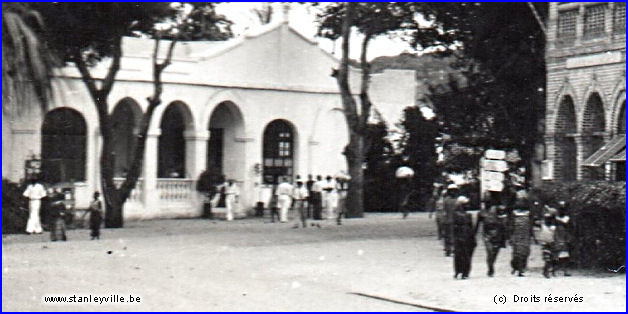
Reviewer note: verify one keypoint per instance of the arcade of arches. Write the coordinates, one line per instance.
(594, 150)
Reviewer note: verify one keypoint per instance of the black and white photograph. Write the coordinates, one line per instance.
(314, 156)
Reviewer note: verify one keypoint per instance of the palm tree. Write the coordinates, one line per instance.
(26, 61)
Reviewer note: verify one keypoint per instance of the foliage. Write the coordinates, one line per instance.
(337, 20)
(419, 151)
(501, 101)
(598, 209)
(379, 175)
(26, 60)
(14, 208)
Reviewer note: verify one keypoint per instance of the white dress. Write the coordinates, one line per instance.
(284, 199)
(231, 194)
(34, 192)
(332, 199)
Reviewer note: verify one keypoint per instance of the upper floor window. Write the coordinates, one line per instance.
(619, 17)
(594, 21)
(567, 26)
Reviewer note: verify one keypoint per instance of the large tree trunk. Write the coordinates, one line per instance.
(355, 158)
(115, 197)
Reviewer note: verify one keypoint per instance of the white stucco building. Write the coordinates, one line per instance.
(264, 103)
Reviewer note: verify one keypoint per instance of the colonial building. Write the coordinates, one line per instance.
(586, 91)
(255, 108)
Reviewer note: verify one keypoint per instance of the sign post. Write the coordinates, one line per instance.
(492, 168)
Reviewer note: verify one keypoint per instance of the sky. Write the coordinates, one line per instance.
(302, 17)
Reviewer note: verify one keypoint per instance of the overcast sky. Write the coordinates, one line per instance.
(302, 19)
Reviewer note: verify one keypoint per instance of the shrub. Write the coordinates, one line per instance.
(14, 208)
(598, 210)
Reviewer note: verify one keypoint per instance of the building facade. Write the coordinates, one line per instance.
(254, 108)
(586, 91)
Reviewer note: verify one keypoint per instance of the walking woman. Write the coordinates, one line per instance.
(34, 192)
(494, 220)
(521, 236)
(464, 238)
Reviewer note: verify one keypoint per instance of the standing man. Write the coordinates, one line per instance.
(317, 198)
(34, 192)
(449, 204)
(300, 195)
(331, 195)
(232, 193)
(284, 198)
(310, 203)
(562, 237)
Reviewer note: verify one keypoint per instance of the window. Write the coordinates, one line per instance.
(567, 26)
(619, 17)
(278, 151)
(594, 21)
(63, 146)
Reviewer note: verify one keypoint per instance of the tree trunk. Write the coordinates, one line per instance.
(355, 157)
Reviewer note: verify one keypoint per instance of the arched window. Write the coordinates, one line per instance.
(125, 121)
(593, 126)
(63, 146)
(278, 154)
(172, 143)
(565, 161)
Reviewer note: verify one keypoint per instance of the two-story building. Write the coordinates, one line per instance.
(586, 91)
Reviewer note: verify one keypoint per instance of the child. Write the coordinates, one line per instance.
(58, 218)
(95, 216)
(546, 238)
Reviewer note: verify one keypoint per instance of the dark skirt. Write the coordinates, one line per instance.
(58, 230)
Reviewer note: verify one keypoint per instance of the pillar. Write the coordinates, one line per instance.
(195, 152)
(580, 156)
(149, 169)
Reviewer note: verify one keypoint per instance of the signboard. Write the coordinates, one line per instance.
(493, 176)
(496, 186)
(494, 154)
(495, 165)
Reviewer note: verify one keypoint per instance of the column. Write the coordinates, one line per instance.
(580, 25)
(195, 152)
(149, 169)
(580, 156)
(550, 154)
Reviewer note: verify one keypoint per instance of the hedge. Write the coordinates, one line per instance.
(598, 211)
(14, 208)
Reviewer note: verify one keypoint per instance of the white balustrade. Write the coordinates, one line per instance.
(175, 190)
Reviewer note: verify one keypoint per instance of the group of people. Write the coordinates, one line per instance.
(312, 199)
(503, 221)
(56, 212)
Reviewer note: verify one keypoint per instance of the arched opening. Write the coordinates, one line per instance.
(593, 126)
(63, 146)
(225, 154)
(565, 161)
(278, 151)
(175, 120)
(125, 121)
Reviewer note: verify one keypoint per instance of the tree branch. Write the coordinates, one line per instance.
(365, 101)
(342, 75)
(109, 80)
(85, 75)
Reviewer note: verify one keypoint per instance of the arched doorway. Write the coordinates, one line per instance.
(565, 161)
(225, 155)
(593, 126)
(63, 146)
(175, 120)
(278, 151)
(125, 122)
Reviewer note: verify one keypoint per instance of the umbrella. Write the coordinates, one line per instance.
(404, 172)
